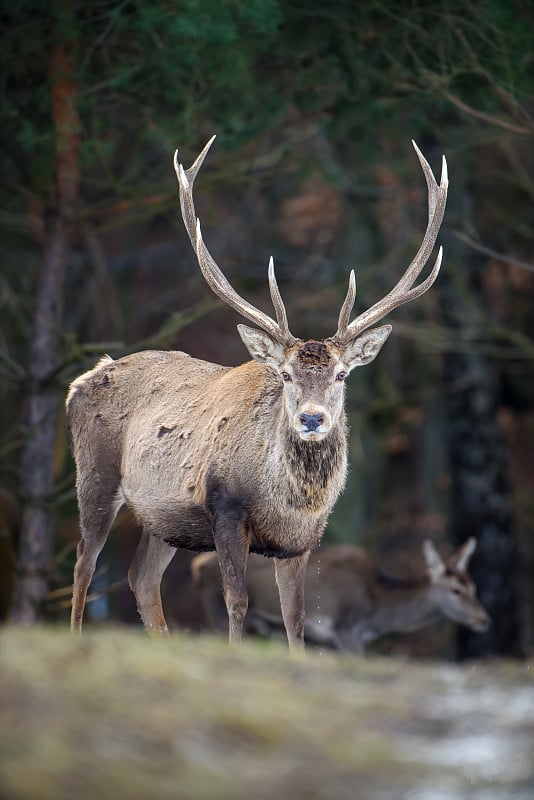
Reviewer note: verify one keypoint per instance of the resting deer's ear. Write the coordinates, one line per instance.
(461, 558)
(433, 560)
(366, 347)
(261, 346)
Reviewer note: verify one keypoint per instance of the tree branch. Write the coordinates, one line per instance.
(480, 248)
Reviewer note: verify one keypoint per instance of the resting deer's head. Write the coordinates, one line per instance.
(452, 588)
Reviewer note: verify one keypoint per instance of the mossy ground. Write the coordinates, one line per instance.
(115, 715)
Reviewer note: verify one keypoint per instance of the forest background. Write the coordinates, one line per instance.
(314, 108)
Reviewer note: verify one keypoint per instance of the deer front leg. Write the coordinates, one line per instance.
(232, 545)
(290, 575)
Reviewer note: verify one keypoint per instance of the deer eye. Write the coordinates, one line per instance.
(287, 377)
(341, 376)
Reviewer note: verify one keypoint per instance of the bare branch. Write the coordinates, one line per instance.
(489, 118)
(488, 251)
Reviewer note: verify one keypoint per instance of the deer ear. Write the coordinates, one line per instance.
(261, 346)
(461, 558)
(366, 347)
(433, 560)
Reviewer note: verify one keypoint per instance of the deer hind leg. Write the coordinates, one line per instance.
(206, 575)
(151, 559)
(290, 575)
(98, 510)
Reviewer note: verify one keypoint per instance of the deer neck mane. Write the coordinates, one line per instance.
(315, 470)
(401, 604)
(392, 583)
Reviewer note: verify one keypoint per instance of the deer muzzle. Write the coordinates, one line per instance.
(312, 423)
(480, 621)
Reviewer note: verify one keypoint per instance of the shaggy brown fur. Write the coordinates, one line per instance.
(313, 355)
(192, 446)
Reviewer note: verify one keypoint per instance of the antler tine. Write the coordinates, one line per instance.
(278, 303)
(211, 271)
(437, 199)
(404, 290)
(389, 302)
(346, 308)
(191, 173)
(186, 179)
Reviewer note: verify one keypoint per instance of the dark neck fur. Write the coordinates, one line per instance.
(315, 468)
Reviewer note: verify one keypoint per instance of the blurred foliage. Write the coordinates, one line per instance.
(114, 715)
(151, 72)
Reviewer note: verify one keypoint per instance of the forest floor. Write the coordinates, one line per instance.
(115, 715)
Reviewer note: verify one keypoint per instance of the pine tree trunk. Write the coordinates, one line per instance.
(480, 497)
(43, 394)
(481, 503)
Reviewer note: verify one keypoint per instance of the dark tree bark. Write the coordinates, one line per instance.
(480, 498)
(43, 396)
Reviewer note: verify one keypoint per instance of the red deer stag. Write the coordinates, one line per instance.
(237, 460)
(349, 601)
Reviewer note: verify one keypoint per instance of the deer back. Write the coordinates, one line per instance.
(176, 428)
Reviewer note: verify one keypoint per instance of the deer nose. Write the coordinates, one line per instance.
(312, 421)
(483, 623)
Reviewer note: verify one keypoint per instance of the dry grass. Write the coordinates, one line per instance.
(114, 715)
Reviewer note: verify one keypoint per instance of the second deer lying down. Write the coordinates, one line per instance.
(349, 602)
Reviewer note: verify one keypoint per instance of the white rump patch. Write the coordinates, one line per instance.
(75, 385)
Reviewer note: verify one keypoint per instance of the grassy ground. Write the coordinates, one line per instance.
(115, 715)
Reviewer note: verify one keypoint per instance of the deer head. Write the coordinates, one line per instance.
(313, 372)
(453, 590)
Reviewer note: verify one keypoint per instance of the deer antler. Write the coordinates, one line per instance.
(405, 290)
(216, 281)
